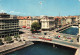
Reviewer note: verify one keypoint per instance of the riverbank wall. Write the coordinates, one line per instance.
(5, 49)
(77, 51)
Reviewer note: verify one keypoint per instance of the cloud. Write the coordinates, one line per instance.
(14, 12)
(79, 0)
(11, 12)
(2, 11)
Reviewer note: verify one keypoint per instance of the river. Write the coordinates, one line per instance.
(72, 30)
(40, 48)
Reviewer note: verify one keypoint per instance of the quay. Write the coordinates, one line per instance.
(13, 47)
(7, 49)
(78, 51)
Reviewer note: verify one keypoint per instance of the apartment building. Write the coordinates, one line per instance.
(57, 21)
(60, 21)
(47, 23)
(22, 21)
(30, 20)
(27, 21)
(8, 25)
(74, 19)
(63, 20)
(68, 20)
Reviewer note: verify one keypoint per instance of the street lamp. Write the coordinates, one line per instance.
(79, 29)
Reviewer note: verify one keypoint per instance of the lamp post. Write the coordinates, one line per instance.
(79, 29)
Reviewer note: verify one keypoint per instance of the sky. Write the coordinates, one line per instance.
(40, 7)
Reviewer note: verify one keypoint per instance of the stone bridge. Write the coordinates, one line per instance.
(58, 42)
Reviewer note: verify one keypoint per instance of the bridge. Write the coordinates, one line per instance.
(66, 27)
(56, 41)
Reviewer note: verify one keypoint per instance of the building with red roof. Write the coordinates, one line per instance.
(58, 20)
(26, 22)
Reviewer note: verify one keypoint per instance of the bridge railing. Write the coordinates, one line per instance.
(60, 42)
(68, 39)
(67, 26)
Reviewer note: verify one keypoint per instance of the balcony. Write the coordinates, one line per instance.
(5, 18)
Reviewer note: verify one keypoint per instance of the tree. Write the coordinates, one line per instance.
(35, 26)
(0, 40)
(16, 36)
(8, 39)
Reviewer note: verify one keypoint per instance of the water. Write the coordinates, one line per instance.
(72, 30)
(43, 49)
(47, 49)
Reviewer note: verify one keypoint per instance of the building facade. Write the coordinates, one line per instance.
(64, 20)
(60, 21)
(30, 20)
(27, 21)
(22, 21)
(57, 22)
(8, 25)
(47, 23)
(68, 20)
